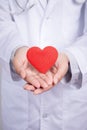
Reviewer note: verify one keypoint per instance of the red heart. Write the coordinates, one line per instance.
(44, 59)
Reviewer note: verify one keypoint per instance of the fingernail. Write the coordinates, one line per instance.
(45, 86)
(24, 87)
(35, 93)
(37, 85)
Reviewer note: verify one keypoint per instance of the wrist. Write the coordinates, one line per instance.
(16, 53)
(20, 49)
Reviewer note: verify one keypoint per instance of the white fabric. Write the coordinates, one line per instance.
(61, 25)
(80, 1)
(43, 3)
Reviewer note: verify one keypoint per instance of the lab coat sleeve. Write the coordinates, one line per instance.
(79, 50)
(73, 76)
(9, 35)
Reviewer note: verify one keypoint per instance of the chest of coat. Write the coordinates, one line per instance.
(58, 23)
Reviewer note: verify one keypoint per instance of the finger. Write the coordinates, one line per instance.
(38, 91)
(58, 77)
(22, 73)
(54, 69)
(32, 80)
(29, 87)
(46, 77)
(42, 90)
(60, 74)
(50, 77)
(42, 82)
(22, 69)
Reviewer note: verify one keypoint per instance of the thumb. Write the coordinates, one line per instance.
(22, 73)
(23, 70)
(57, 76)
(60, 74)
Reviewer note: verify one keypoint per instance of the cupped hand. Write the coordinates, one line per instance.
(58, 71)
(33, 78)
(62, 65)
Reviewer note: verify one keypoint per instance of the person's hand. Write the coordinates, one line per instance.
(33, 78)
(58, 71)
(62, 65)
(39, 90)
(50, 74)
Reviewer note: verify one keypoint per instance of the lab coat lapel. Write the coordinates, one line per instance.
(50, 7)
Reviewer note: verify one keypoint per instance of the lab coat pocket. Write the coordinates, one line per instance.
(79, 95)
(75, 110)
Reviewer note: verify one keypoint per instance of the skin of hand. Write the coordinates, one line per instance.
(58, 71)
(40, 90)
(33, 78)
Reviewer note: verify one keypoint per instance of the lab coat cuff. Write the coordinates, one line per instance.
(14, 75)
(73, 75)
(73, 63)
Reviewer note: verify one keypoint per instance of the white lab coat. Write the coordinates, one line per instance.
(64, 26)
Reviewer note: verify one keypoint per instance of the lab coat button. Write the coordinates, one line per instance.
(47, 18)
(45, 115)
